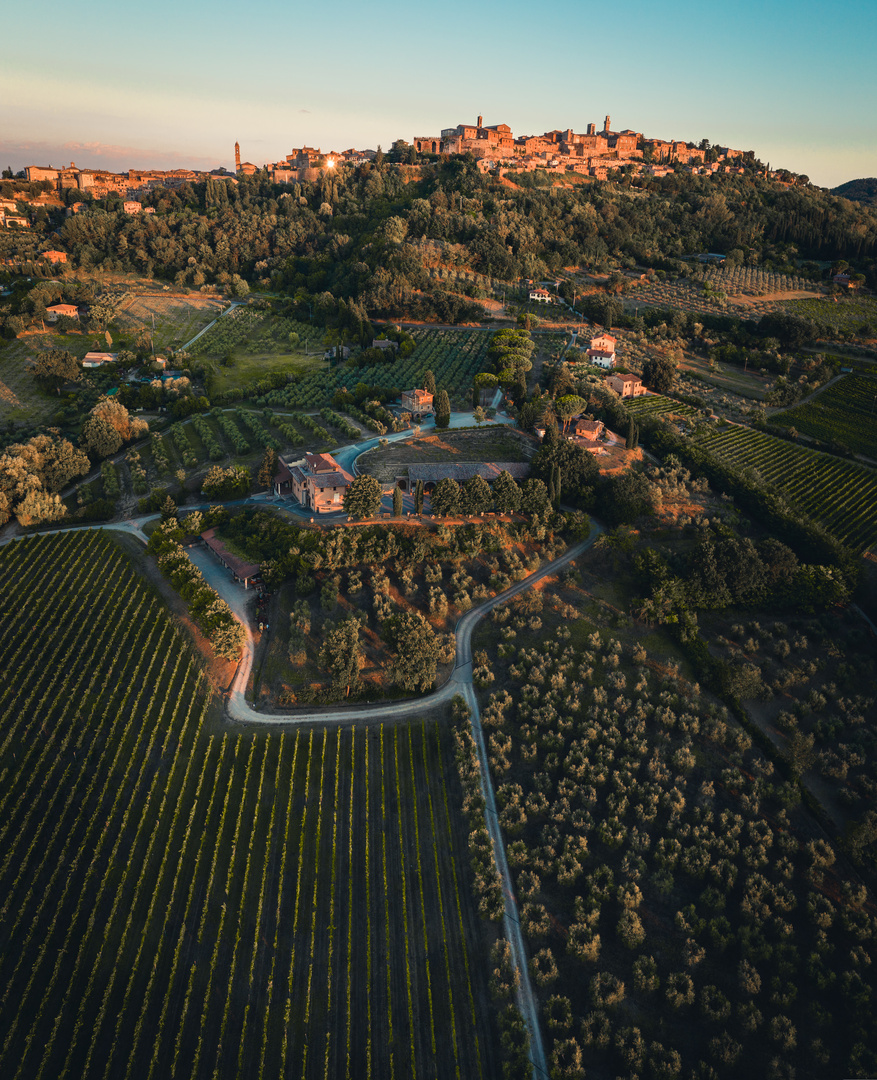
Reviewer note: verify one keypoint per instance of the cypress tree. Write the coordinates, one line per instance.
(418, 497)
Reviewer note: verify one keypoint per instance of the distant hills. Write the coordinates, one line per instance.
(863, 191)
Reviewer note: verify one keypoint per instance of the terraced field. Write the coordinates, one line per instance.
(187, 901)
(838, 493)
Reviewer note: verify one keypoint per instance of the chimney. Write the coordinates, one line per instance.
(606, 126)
(237, 157)
(480, 119)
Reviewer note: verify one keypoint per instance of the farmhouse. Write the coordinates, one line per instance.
(132, 207)
(54, 257)
(241, 570)
(384, 344)
(318, 482)
(53, 313)
(540, 296)
(418, 403)
(602, 351)
(95, 359)
(591, 430)
(431, 472)
(626, 385)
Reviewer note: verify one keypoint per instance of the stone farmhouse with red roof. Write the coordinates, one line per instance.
(626, 385)
(602, 351)
(318, 482)
(417, 402)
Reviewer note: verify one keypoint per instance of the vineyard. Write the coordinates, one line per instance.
(185, 903)
(454, 356)
(658, 405)
(842, 413)
(254, 331)
(839, 494)
(851, 315)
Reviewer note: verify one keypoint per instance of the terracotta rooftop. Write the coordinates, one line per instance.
(237, 565)
(321, 462)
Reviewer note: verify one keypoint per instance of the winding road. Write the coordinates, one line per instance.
(460, 683)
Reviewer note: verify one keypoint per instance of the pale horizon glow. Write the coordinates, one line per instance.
(176, 87)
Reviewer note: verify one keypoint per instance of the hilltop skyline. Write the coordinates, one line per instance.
(754, 78)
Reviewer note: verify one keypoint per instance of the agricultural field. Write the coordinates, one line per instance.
(749, 297)
(727, 378)
(377, 575)
(261, 333)
(491, 443)
(839, 494)
(843, 413)
(177, 319)
(182, 899)
(683, 913)
(853, 315)
(20, 398)
(753, 281)
(658, 405)
(454, 356)
(675, 295)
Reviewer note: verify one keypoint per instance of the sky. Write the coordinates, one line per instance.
(175, 85)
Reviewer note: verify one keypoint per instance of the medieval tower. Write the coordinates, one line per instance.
(606, 126)
(237, 157)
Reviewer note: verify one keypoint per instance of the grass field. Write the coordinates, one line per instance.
(260, 343)
(181, 900)
(843, 413)
(20, 399)
(177, 319)
(838, 493)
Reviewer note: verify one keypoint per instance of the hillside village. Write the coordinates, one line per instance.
(495, 148)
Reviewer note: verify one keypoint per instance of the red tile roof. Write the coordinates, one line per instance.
(237, 565)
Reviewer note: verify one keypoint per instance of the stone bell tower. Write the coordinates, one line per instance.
(237, 157)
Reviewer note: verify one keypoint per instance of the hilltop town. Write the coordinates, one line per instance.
(599, 155)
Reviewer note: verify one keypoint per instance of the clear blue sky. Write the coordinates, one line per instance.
(175, 84)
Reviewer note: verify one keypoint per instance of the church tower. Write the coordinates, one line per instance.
(606, 126)
(237, 157)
